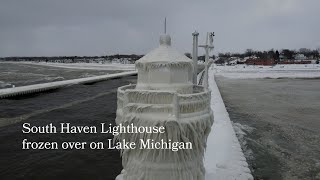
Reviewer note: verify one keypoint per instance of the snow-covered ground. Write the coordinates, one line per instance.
(94, 66)
(278, 71)
(224, 158)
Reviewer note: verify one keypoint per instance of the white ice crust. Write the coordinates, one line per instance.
(224, 158)
(164, 68)
(164, 53)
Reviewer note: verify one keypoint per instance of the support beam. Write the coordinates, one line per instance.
(207, 48)
(195, 56)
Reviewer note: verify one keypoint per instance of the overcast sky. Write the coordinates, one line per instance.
(100, 27)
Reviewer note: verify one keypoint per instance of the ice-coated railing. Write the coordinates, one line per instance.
(200, 77)
(185, 117)
(171, 103)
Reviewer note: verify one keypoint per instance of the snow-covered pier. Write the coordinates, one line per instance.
(10, 92)
(224, 158)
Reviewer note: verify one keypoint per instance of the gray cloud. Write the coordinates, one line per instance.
(99, 27)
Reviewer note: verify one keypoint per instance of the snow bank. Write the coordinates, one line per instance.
(278, 71)
(224, 158)
(9, 92)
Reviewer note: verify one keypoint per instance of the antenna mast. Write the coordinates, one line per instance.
(165, 25)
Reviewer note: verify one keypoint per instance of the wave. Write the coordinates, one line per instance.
(4, 85)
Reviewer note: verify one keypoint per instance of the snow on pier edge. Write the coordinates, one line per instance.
(224, 158)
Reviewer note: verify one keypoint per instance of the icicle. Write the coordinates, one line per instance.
(157, 65)
(194, 129)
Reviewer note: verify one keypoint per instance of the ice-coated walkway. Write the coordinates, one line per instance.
(54, 85)
(224, 158)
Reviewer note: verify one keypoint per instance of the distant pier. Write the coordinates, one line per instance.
(36, 88)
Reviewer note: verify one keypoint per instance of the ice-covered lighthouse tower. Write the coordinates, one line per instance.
(164, 96)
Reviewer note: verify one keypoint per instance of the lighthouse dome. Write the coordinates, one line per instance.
(164, 68)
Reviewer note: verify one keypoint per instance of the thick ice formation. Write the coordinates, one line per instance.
(165, 69)
(165, 96)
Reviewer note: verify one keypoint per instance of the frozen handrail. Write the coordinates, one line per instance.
(200, 77)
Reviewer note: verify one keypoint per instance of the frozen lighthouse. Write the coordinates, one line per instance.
(164, 96)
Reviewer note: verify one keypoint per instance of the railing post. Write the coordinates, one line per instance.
(176, 105)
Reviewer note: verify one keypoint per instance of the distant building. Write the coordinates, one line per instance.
(300, 57)
(282, 57)
(263, 62)
(295, 62)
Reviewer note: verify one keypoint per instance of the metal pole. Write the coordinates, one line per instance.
(207, 47)
(165, 25)
(195, 57)
(206, 83)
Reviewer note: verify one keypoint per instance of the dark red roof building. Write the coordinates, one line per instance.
(264, 62)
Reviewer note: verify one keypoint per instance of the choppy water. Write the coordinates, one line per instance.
(15, 74)
(89, 105)
(278, 124)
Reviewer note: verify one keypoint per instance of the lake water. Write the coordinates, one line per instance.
(89, 104)
(278, 124)
(20, 74)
